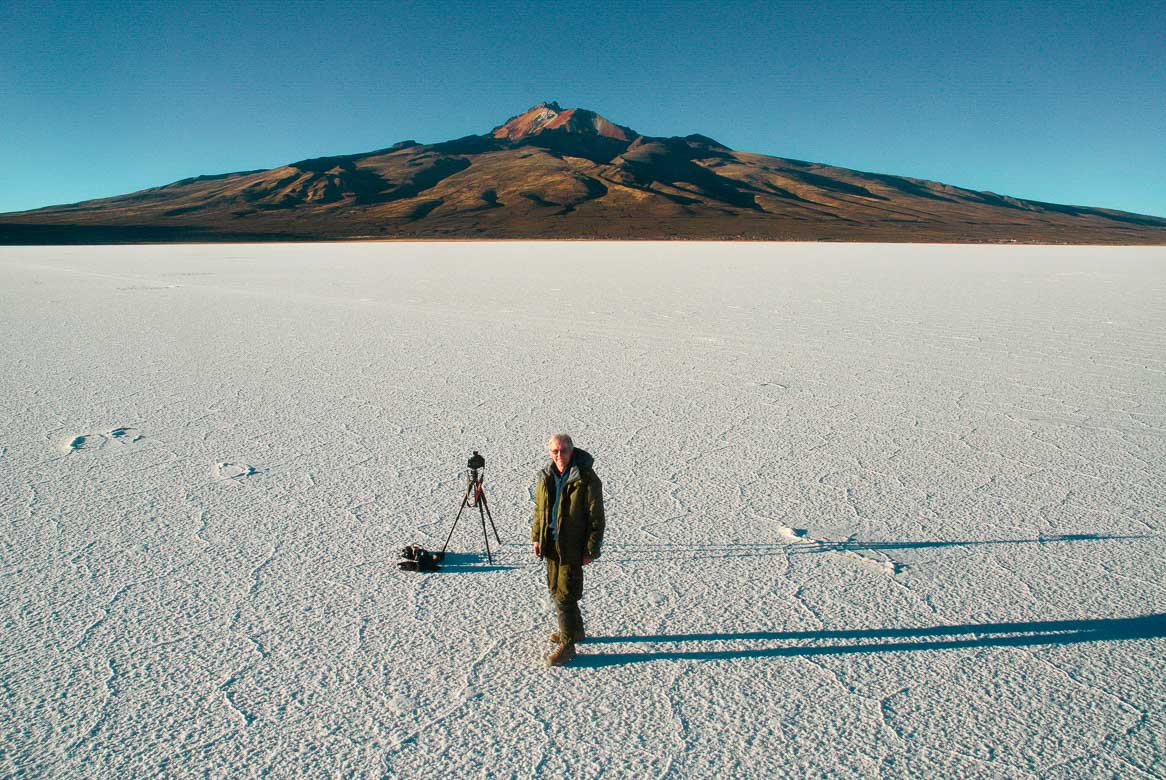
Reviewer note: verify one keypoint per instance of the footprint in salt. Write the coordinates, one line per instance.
(233, 471)
(97, 440)
(881, 563)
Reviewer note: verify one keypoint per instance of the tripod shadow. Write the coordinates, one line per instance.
(1053, 632)
(667, 552)
(850, 545)
(469, 563)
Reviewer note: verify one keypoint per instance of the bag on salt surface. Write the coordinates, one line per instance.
(417, 558)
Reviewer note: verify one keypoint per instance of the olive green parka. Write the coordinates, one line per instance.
(581, 520)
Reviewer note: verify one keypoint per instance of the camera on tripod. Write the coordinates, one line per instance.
(475, 498)
(416, 558)
(475, 464)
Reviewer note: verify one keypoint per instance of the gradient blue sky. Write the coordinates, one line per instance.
(1060, 101)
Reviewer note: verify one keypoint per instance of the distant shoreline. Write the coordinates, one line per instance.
(53, 235)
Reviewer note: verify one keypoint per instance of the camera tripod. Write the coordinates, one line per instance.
(475, 498)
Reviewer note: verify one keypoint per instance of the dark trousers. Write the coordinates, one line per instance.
(565, 582)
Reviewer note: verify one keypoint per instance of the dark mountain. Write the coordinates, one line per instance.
(555, 173)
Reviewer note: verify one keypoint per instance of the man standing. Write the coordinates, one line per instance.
(567, 532)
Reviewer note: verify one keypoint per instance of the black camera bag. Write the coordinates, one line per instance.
(417, 558)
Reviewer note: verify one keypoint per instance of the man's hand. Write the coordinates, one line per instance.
(538, 550)
(587, 559)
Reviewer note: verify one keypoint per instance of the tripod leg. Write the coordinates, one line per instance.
(487, 505)
(459, 514)
(484, 534)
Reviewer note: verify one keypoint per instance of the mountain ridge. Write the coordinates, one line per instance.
(570, 173)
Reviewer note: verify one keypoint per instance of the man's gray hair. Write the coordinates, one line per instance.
(562, 438)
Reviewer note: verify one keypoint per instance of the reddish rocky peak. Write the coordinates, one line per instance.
(551, 116)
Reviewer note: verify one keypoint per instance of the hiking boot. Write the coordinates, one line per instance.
(555, 636)
(561, 654)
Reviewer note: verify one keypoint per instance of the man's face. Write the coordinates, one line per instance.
(560, 454)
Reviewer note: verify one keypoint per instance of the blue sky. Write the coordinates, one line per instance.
(1062, 102)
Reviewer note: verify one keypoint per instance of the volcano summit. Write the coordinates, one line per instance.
(551, 172)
